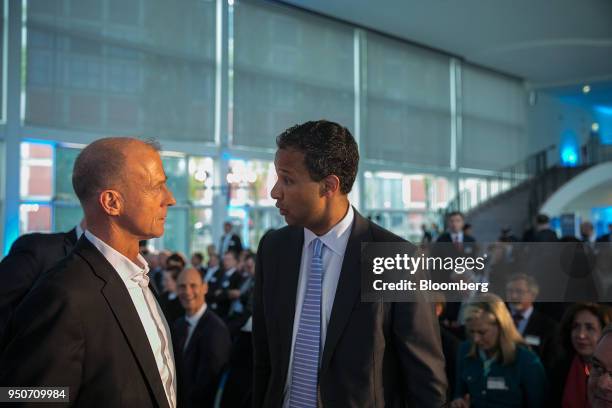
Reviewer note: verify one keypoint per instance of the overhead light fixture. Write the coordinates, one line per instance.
(586, 89)
(595, 127)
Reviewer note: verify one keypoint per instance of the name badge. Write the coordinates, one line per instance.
(496, 383)
(532, 340)
(468, 250)
(225, 284)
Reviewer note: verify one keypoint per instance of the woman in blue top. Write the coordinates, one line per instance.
(495, 368)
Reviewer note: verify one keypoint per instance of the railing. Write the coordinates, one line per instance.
(503, 180)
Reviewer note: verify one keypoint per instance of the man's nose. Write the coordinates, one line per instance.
(275, 192)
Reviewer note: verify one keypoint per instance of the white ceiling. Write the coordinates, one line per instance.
(549, 43)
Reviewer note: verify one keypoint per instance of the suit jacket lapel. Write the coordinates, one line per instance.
(120, 302)
(197, 332)
(349, 286)
(287, 274)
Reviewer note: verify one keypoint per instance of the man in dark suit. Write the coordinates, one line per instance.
(463, 244)
(229, 241)
(543, 232)
(225, 286)
(201, 343)
(91, 323)
(315, 342)
(538, 329)
(462, 241)
(29, 257)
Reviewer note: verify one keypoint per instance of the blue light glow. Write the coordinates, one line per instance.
(606, 110)
(569, 156)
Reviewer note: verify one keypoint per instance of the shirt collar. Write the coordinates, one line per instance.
(79, 231)
(458, 235)
(336, 238)
(230, 272)
(124, 267)
(526, 314)
(195, 318)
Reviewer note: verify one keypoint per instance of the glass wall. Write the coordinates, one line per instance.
(402, 202)
(152, 69)
(293, 67)
(125, 67)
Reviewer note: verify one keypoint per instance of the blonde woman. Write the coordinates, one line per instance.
(495, 368)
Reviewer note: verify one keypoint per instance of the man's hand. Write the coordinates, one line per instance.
(461, 402)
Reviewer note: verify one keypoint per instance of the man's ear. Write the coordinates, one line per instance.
(111, 202)
(330, 185)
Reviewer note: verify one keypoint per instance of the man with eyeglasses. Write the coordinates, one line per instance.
(600, 376)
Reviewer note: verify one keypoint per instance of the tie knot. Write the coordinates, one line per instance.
(142, 279)
(317, 248)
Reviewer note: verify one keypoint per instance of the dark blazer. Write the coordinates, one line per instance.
(79, 328)
(29, 257)
(204, 360)
(446, 237)
(545, 235)
(543, 328)
(375, 354)
(235, 244)
(218, 288)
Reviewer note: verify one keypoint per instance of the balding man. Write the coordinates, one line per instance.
(91, 323)
(600, 378)
(201, 342)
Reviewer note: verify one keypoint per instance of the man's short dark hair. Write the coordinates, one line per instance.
(328, 148)
(453, 213)
(100, 165)
(542, 219)
(198, 255)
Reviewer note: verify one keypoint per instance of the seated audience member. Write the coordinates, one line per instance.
(600, 375)
(495, 368)
(201, 343)
(450, 342)
(197, 261)
(168, 300)
(221, 285)
(581, 327)
(537, 329)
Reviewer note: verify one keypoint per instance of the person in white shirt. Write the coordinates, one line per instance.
(92, 323)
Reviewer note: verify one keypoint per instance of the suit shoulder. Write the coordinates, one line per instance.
(215, 324)
(70, 272)
(273, 238)
(379, 234)
(36, 240)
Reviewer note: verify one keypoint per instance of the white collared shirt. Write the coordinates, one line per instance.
(79, 231)
(457, 236)
(522, 324)
(335, 241)
(152, 318)
(193, 322)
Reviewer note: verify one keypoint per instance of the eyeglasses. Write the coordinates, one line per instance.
(597, 370)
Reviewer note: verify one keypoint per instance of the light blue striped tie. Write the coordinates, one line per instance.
(304, 375)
